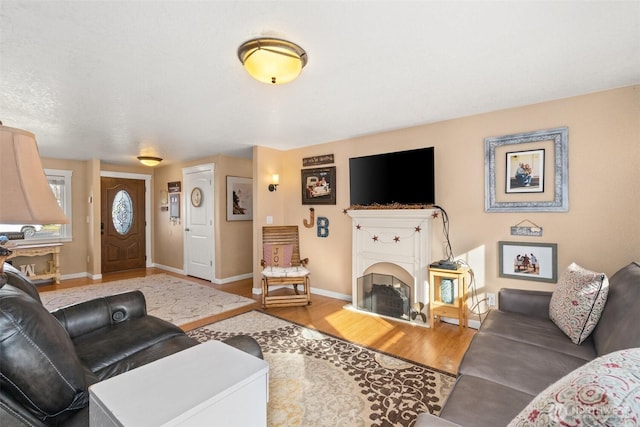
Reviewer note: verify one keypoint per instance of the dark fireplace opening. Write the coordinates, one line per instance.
(384, 294)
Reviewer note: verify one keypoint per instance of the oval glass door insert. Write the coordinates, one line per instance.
(122, 212)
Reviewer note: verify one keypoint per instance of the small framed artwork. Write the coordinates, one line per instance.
(525, 171)
(239, 199)
(318, 186)
(525, 162)
(529, 261)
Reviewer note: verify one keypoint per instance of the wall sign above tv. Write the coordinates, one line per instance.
(318, 160)
(401, 177)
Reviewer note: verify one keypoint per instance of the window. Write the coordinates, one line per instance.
(60, 183)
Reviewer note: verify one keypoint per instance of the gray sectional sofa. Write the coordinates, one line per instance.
(519, 351)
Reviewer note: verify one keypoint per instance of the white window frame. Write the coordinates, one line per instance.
(66, 231)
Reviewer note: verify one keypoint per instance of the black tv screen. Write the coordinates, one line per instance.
(404, 177)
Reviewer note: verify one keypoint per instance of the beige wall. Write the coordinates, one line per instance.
(600, 231)
(82, 255)
(233, 239)
(267, 162)
(73, 255)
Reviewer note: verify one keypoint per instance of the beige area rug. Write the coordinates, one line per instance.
(320, 380)
(168, 297)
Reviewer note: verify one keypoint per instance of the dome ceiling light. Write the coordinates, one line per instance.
(272, 61)
(149, 160)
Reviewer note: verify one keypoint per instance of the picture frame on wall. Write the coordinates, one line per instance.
(546, 153)
(318, 186)
(529, 261)
(525, 172)
(239, 198)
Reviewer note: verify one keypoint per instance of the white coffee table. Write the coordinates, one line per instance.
(209, 384)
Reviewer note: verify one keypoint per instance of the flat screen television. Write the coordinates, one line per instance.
(404, 177)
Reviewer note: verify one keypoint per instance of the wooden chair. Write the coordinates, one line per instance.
(282, 267)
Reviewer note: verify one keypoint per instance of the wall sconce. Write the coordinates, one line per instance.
(275, 180)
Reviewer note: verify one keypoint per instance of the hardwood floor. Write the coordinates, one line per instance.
(441, 347)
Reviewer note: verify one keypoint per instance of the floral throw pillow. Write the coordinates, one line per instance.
(578, 301)
(604, 392)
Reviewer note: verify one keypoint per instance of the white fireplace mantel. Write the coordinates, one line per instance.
(398, 236)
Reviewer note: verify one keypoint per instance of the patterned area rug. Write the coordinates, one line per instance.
(319, 380)
(170, 298)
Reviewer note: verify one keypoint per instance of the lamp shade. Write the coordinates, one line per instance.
(25, 195)
(272, 61)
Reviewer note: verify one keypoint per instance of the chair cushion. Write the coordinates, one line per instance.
(578, 301)
(604, 392)
(277, 255)
(285, 271)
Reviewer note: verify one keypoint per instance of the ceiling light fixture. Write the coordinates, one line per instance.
(272, 61)
(149, 161)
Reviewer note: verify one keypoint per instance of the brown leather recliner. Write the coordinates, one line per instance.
(48, 360)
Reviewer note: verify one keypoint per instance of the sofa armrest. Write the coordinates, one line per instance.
(428, 420)
(531, 303)
(91, 315)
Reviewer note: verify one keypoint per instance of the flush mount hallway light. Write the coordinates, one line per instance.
(149, 161)
(272, 61)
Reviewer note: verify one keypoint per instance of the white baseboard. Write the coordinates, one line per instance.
(232, 279)
(331, 294)
(75, 276)
(474, 324)
(215, 280)
(258, 291)
(167, 268)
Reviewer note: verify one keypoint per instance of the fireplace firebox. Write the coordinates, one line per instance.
(401, 238)
(384, 294)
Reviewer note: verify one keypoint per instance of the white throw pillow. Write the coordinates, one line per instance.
(578, 301)
(604, 392)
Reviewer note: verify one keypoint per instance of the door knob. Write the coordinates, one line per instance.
(186, 229)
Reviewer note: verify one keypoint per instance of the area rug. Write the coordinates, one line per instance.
(168, 297)
(319, 380)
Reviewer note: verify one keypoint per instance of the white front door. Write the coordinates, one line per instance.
(198, 232)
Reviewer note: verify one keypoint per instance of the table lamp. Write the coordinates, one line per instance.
(25, 194)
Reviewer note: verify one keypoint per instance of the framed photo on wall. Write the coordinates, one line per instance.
(525, 162)
(529, 261)
(525, 171)
(239, 199)
(318, 186)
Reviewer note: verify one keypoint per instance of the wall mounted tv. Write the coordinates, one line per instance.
(404, 177)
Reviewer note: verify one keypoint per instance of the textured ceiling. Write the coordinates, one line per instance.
(115, 79)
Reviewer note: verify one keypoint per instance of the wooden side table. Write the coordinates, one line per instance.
(457, 309)
(38, 250)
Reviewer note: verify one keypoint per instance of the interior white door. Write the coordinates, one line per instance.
(198, 233)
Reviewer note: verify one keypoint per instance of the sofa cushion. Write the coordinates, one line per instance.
(106, 347)
(499, 403)
(578, 301)
(521, 366)
(39, 365)
(614, 331)
(604, 392)
(149, 354)
(535, 331)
